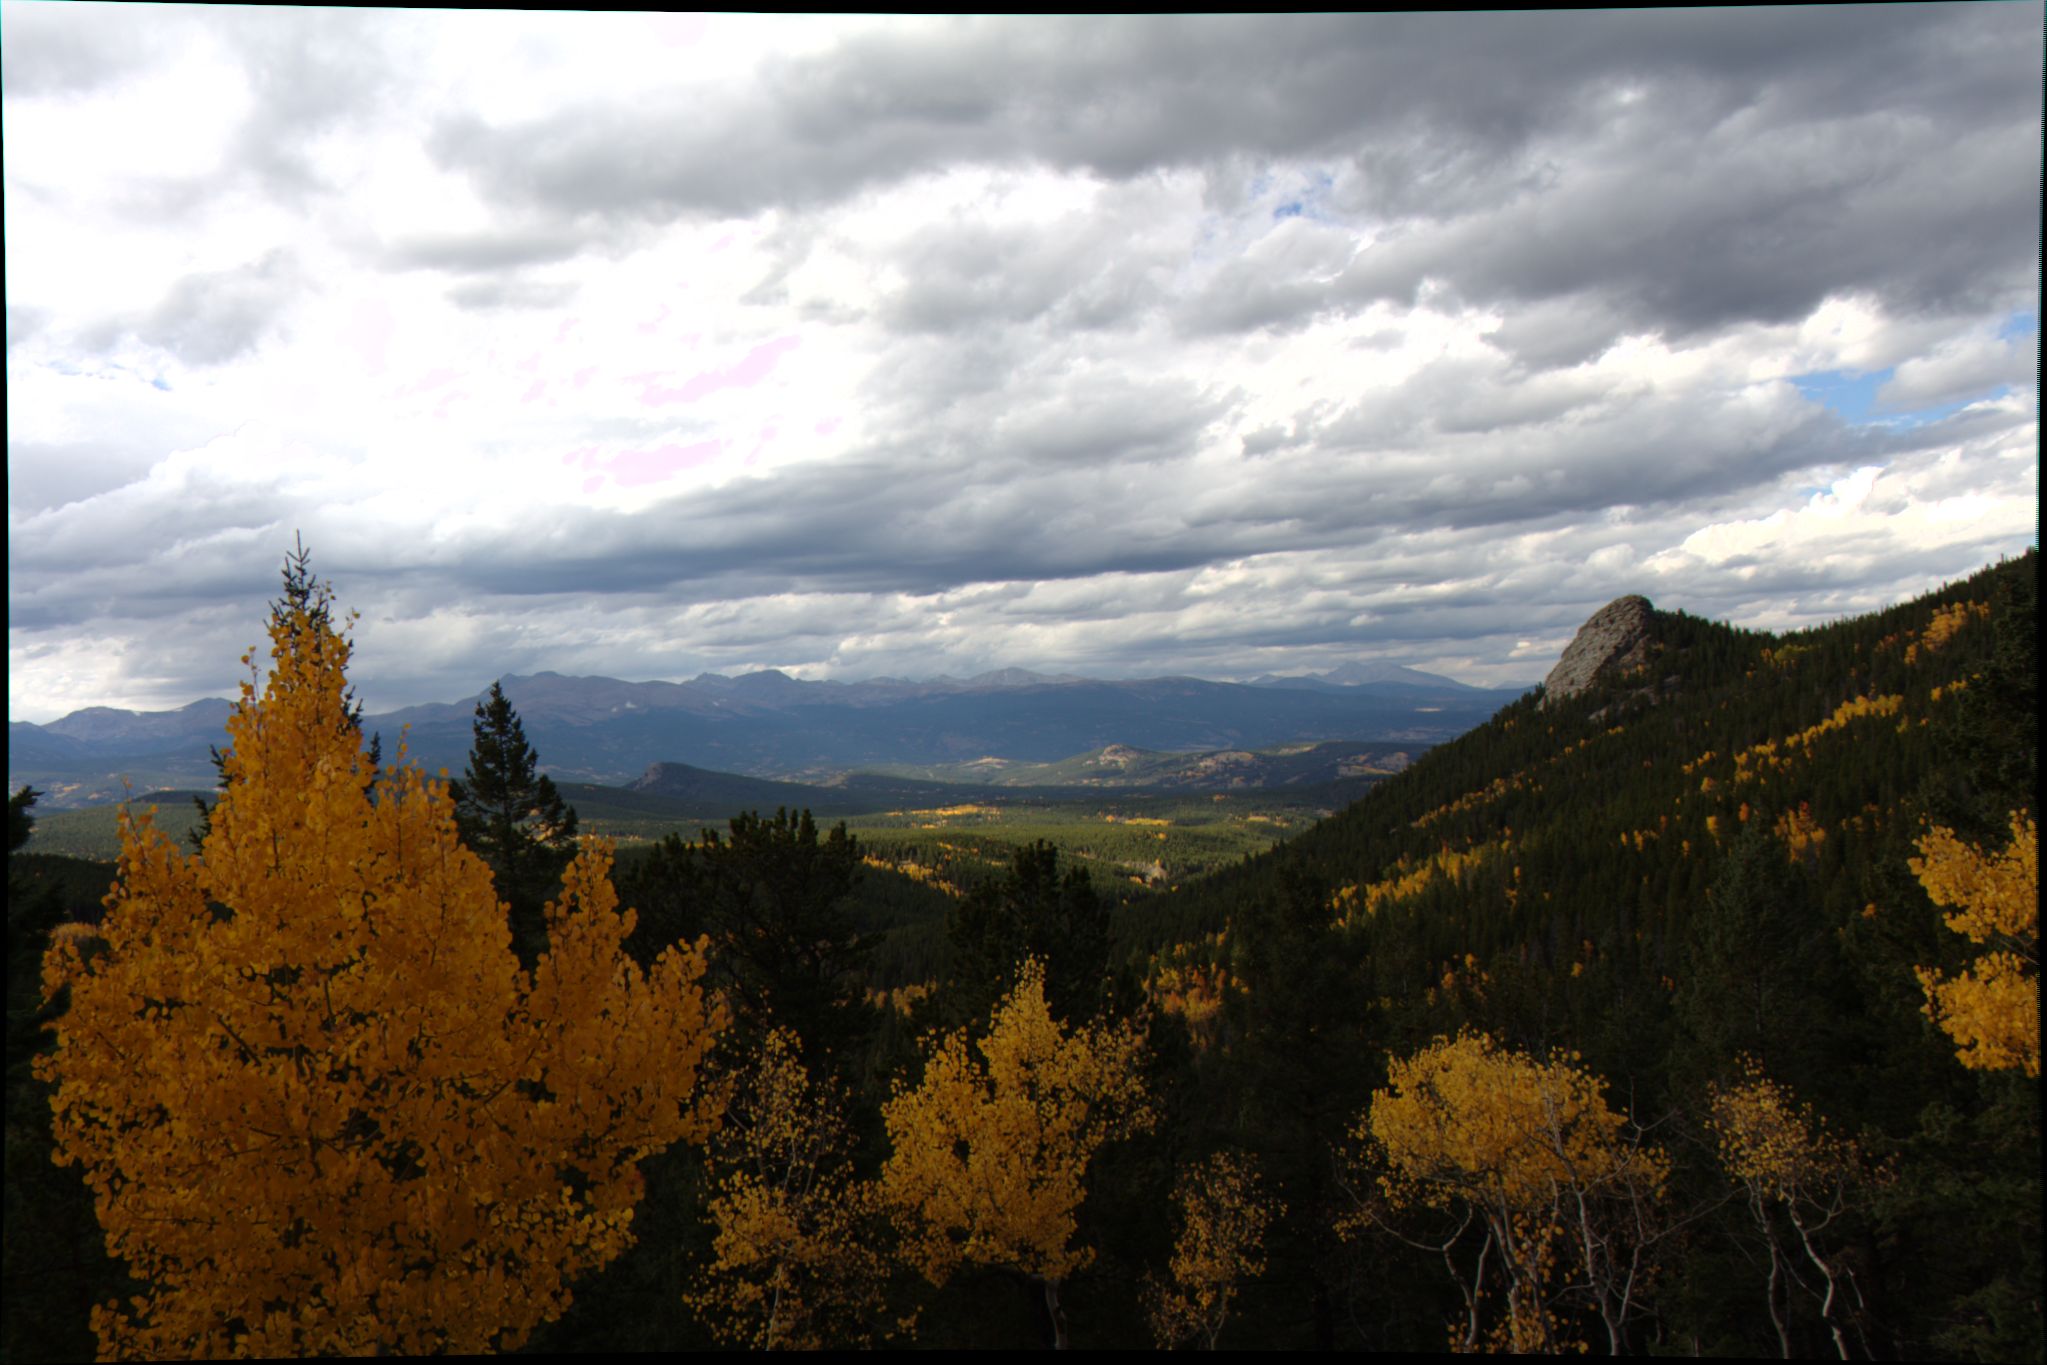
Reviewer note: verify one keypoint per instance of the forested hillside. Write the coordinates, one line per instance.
(1708, 859)
(1694, 1013)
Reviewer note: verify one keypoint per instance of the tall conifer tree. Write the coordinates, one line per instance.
(511, 816)
(1036, 911)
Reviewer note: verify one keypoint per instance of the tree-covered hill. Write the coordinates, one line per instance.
(1723, 727)
(1706, 857)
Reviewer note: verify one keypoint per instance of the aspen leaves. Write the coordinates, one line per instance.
(1467, 1119)
(796, 1267)
(1224, 1214)
(990, 1153)
(1992, 1010)
(320, 1107)
(1770, 1143)
(1530, 1152)
(1782, 1156)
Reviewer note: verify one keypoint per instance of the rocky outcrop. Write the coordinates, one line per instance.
(1615, 641)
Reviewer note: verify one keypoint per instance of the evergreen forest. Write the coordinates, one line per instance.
(1696, 1013)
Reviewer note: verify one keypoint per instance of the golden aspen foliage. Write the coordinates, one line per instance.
(320, 1107)
(1992, 1010)
(1530, 1153)
(1193, 981)
(1784, 1159)
(900, 1000)
(1466, 1116)
(1767, 1140)
(1410, 879)
(1799, 832)
(990, 1154)
(1224, 1214)
(1946, 623)
(796, 1266)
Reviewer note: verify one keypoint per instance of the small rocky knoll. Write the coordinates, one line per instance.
(1614, 641)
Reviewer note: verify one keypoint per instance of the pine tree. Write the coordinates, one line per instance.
(1762, 974)
(514, 819)
(773, 897)
(1036, 911)
(19, 822)
(1300, 1038)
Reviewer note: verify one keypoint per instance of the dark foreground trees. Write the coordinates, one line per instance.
(773, 898)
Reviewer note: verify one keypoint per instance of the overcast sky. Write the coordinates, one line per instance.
(646, 345)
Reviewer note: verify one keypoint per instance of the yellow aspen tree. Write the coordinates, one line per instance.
(1992, 1010)
(1527, 1154)
(320, 1107)
(1784, 1159)
(989, 1156)
(797, 1265)
(1223, 1217)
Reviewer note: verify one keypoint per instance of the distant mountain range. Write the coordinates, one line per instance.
(1358, 674)
(1010, 727)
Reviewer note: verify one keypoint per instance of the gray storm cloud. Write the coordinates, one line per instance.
(1144, 343)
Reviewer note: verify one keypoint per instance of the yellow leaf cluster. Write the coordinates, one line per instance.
(1782, 659)
(1224, 1215)
(1531, 1150)
(1946, 623)
(990, 1154)
(1639, 839)
(1750, 763)
(1492, 791)
(1768, 1141)
(949, 812)
(794, 1268)
(1992, 1010)
(900, 999)
(1193, 980)
(320, 1107)
(1467, 1118)
(916, 872)
(1410, 878)
(1798, 831)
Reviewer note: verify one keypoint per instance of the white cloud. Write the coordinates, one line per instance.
(1962, 367)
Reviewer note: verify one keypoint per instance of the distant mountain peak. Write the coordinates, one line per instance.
(1359, 673)
(1018, 677)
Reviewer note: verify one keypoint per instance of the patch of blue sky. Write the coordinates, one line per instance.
(1851, 393)
(2020, 324)
(160, 383)
(1309, 200)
